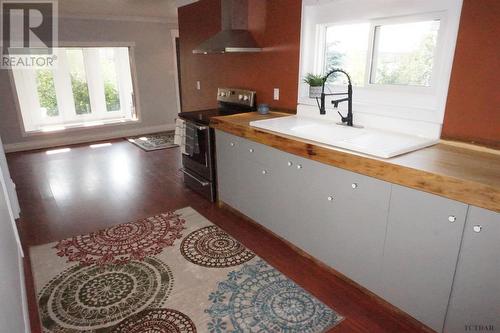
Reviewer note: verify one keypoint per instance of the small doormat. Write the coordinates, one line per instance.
(174, 272)
(154, 141)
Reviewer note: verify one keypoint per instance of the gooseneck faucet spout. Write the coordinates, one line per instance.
(348, 120)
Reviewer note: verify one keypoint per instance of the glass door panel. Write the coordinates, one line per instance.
(79, 83)
(47, 93)
(110, 79)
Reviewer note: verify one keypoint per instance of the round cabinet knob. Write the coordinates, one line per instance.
(452, 218)
(289, 163)
(232, 144)
(329, 198)
(299, 166)
(477, 228)
(354, 185)
(250, 150)
(264, 172)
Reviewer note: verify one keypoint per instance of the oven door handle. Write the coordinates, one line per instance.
(202, 182)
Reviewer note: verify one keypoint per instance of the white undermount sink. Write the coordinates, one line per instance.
(369, 141)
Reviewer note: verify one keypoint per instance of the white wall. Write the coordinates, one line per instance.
(13, 308)
(154, 62)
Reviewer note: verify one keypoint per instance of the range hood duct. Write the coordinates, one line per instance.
(234, 36)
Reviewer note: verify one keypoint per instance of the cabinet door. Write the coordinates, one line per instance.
(475, 297)
(228, 165)
(336, 216)
(283, 186)
(257, 191)
(352, 211)
(360, 208)
(421, 250)
(256, 182)
(295, 189)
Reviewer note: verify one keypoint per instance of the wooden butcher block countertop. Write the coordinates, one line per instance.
(463, 174)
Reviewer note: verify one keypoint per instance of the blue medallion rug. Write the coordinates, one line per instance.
(174, 272)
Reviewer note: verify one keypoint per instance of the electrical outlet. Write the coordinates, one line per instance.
(198, 85)
(276, 94)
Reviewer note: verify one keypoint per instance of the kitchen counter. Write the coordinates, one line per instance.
(462, 174)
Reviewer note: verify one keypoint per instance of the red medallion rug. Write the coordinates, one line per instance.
(174, 272)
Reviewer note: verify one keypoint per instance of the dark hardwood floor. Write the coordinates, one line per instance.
(87, 189)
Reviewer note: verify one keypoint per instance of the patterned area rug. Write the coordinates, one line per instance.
(154, 141)
(175, 272)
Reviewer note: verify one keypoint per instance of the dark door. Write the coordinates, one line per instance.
(178, 56)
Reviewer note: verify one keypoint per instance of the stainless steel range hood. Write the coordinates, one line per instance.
(234, 36)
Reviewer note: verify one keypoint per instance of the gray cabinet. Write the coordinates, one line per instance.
(342, 219)
(475, 299)
(285, 187)
(247, 180)
(257, 191)
(228, 165)
(337, 216)
(422, 243)
(400, 243)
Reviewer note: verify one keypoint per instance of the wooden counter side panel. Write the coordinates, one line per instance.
(478, 194)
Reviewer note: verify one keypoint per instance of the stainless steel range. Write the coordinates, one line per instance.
(199, 159)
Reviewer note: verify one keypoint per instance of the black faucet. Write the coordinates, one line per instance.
(348, 119)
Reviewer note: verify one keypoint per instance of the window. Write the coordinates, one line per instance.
(347, 48)
(399, 55)
(90, 86)
(404, 53)
(382, 54)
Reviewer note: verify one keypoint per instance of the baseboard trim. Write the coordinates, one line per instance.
(72, 138)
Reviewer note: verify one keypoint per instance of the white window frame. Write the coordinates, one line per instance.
(75, 122)
(320, 58)
(411, 109)
(437, 59)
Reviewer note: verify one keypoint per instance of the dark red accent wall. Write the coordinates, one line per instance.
(473, 106)
(275, 25)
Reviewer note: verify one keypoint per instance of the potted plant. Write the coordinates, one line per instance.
(315, 83)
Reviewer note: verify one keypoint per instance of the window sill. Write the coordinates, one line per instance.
(49, 129)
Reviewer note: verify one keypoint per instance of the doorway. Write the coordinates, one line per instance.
(177, 63)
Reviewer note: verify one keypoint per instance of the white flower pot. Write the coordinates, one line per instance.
(315, 91)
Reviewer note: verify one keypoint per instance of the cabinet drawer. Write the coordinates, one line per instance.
(226, 140)
(256, 152)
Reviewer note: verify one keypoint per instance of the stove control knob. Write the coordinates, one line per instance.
(240, 97)
(246, 98)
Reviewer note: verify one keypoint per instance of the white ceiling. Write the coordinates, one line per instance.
(154, 9)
